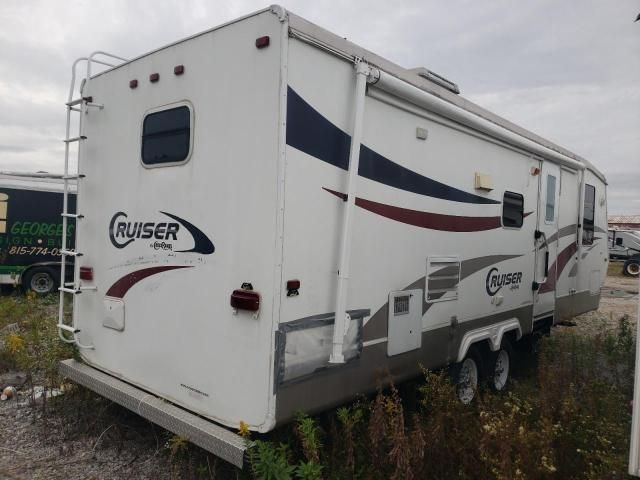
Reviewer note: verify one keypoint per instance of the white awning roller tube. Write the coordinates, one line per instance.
(403, 90)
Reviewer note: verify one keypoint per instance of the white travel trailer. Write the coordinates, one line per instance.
(241, 186)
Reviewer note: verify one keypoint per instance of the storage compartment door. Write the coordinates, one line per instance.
(405, 321)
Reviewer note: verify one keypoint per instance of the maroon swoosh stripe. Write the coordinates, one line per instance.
(122, 286)
(433, 221)
(558, 266)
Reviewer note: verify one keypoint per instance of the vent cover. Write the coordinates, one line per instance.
(443, 276)
(401, 305)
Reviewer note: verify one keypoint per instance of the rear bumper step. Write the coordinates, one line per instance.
(204, 433)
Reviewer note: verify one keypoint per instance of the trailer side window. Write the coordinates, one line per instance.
(588, 214)
(512, 210)
(550, 210)
(166, 136)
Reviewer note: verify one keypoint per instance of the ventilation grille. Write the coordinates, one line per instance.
(401, 305)
(443, 277)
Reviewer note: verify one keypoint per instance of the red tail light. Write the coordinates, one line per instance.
(262, 42)
(86, 273)
(133, 83)
(154, 77)
(178, 69)
(245, 300)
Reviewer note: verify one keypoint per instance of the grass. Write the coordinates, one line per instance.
(569, 418)
(566, 415)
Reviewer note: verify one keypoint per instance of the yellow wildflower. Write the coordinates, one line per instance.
(243, 430)
(14, 343)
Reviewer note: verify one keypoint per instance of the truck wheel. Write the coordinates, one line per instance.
(40, 280)
(501, 366)
(631, 267)
(467, 376)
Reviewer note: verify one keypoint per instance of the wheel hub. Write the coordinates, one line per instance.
(41, 283)
(501, 372)
(467, 381)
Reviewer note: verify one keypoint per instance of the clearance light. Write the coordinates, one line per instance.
(245, 300)
(86, 273)
(154, 77)
(133, 83)
(178, 69)
(262, 42)
(292, 288)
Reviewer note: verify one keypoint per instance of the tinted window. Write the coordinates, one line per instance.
(512, 210)
(589, 214)
(166, 136)
(550, 211)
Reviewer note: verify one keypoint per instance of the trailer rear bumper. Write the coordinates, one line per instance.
(204, 433)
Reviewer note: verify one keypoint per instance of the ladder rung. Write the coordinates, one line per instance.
(72, 215)
(78, 101)
(71, 253)
(84, 289)
(62, 326)
(75, 139)
(72, 291)
(96, 105)
(75, 109)
(73, 177)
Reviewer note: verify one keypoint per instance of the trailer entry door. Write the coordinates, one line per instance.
(546, 266)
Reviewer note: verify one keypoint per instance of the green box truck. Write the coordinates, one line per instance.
(31, 230)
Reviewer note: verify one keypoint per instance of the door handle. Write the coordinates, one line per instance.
(546, 264)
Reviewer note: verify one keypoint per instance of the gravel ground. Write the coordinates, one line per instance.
(37, 445)
(619, 297)
(80, 437)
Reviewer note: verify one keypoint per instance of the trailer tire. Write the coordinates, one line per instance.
(501, 365)
(41, 280)
(631, 267)
(467, 376)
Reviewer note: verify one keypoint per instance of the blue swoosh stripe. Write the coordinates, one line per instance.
(310, 132)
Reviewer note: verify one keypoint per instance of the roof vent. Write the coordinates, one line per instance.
(437, 79)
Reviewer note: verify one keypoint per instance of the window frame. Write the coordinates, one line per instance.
(555, 198)
(511, 227)
(169, 106)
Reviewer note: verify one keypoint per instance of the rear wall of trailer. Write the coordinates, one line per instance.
(161, 318)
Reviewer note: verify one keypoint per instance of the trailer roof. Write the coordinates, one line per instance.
(47, 182)
(312, 33)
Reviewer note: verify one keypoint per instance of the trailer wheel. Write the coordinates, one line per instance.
(40, 280)
(501, 366)
(467, 376)
(631, 267)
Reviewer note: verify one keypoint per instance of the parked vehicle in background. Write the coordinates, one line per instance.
(275, 220)
(31, 230)
(625, 245)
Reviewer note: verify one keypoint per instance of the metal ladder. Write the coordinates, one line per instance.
(69, 333)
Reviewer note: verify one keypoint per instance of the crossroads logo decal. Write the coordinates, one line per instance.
(163, 235)
(496, 280)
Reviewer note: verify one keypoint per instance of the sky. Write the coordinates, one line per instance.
(566, 70)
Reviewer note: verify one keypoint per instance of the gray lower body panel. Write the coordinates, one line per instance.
(336, 385)
(204, 433)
